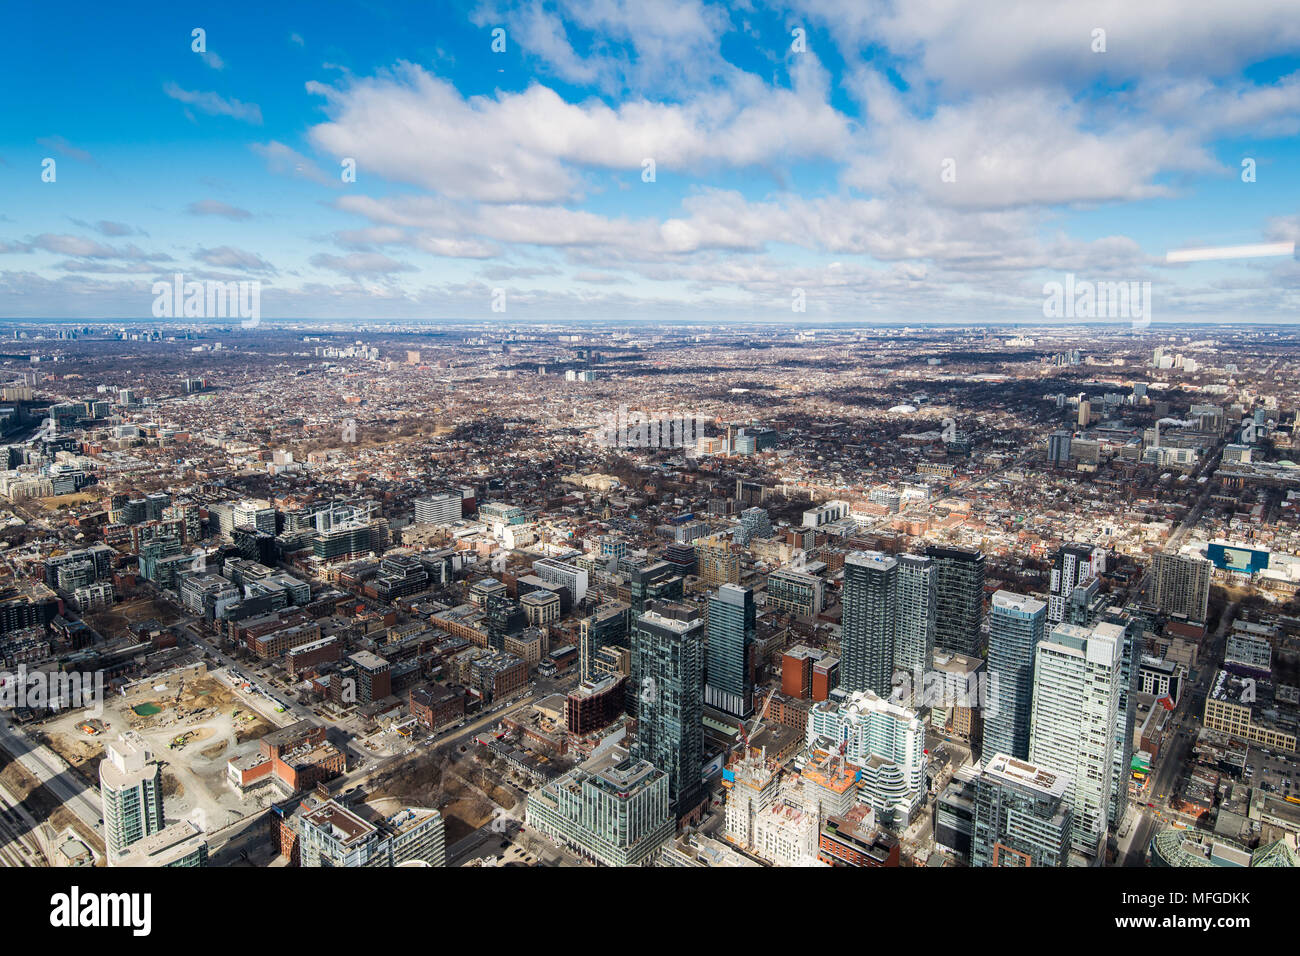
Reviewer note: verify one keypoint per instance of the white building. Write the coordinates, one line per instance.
(1072, 724)
(438, 509)
(751, 791)
(886, 741)
(786, 834)
(130, 784)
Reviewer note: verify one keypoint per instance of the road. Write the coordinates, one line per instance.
(51, 769)
(1184, 723)
(453, 737)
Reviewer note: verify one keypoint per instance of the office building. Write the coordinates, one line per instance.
(607, 627)
(754, 523)
(1071, 567)
(564, 575)
(799, 591)
(614, 810)
(885, 741)
(1182, 585)
(716, 563)
(333, 835)
(730, 686)
(650, 581)
(438, 509)
(1016, 624)
(917, 607)
(954, 813)
(1058, 448)
(752, 783)
(1130, 657)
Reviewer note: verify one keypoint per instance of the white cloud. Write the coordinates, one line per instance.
(531, 146)
(215, 104)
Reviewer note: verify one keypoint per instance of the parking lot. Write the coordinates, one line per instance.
(1273, 772)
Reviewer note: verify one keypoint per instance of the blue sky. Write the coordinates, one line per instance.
(778, 165)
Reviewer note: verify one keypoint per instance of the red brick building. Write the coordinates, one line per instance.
(436, 706)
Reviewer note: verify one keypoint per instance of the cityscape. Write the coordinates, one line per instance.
(907, 597)
(665, 436)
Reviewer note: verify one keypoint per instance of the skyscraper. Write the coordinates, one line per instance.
(1072, 728)
(1182, 585)
(1071, 567)
(869, 623)
(1015, 628)
(667, 667)
(959, 598)
(914, 638)
(1022, 816)
(731, 633)
(1130, 656)
(1058, 447)
(130, 784)
(715, 562)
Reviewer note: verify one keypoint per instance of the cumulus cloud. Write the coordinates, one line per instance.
(229, 257)
(530, 146)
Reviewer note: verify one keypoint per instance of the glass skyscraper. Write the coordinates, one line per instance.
(959, 598)
(731, 634)
(667, 668)
(914, 638)
(1015, 627)
(1130, 657)
(869, 623)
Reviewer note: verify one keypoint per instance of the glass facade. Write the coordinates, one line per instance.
(1016, 626)
(731, 634)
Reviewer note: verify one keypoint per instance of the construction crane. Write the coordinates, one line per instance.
(745, 734)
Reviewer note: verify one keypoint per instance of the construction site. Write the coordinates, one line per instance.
(191, 721)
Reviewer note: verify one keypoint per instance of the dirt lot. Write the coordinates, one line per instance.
(463, 791)
(114, 623)
(193, 733)
(43, 804)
